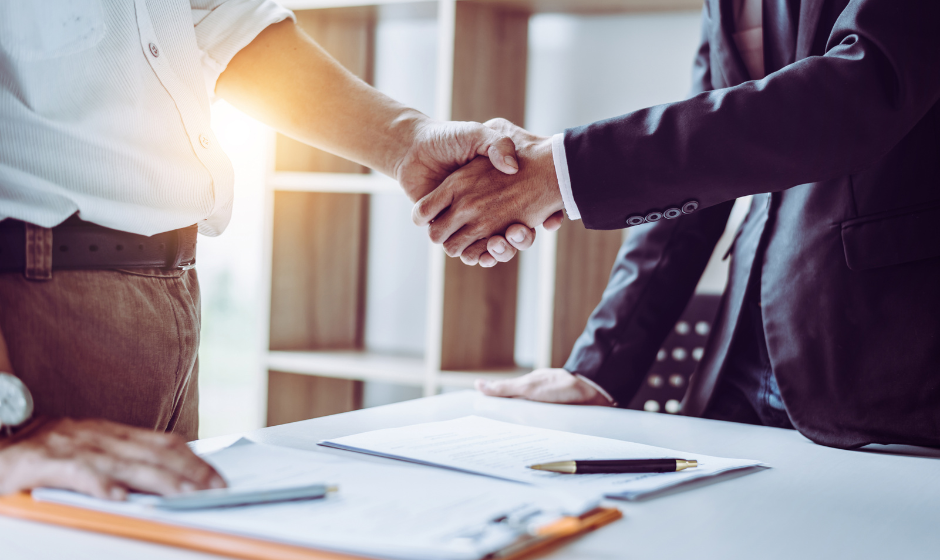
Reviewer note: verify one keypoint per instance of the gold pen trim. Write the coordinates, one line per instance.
(566, 467)
(682, 464)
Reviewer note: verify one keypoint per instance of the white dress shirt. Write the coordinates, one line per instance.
(104, 109)
(749, 40)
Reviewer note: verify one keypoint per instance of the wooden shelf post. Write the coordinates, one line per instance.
(490, 47)
(318, 248)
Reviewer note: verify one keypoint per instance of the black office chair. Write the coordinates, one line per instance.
(668, 379)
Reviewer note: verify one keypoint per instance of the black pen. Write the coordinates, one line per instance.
(610, 466)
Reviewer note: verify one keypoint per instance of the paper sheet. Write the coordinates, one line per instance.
(385, 511)
(504, 450)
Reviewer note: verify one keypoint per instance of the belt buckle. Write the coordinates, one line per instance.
(187, 265)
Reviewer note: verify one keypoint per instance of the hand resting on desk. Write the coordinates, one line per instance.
(546, 385)
(101, 458)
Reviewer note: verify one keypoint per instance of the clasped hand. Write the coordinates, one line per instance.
(483, 214)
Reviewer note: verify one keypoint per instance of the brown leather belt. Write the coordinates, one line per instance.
(76, 243)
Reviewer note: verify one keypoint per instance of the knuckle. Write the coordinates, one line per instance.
(498, 122)
(422, 208)
(174, 440)
(436, 234)
(478, 230)
(451, 248)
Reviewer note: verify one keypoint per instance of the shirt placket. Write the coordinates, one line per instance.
(194, 118)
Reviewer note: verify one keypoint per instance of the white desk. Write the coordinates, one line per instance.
(815, 502)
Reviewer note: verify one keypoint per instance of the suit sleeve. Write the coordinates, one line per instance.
(817, 119)
(654, 276)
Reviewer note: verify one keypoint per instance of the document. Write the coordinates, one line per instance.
(386, 511)
(503, 450)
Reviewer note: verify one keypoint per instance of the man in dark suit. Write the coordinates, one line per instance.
(830, 322)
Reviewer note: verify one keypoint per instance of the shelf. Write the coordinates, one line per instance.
(385, 368)
(534, 6)
(361, 366)
(355, 183)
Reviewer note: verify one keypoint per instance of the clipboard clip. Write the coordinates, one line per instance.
(557, 533)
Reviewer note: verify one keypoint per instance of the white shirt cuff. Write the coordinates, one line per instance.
(564, 180)
(598, 388)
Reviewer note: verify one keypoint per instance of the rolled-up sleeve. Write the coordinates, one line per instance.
(224, 27)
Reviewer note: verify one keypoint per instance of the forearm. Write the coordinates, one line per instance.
(286, 80)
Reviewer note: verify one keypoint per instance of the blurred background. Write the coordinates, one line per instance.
(274, 283)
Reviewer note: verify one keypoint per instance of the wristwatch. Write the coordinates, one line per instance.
(16, 403)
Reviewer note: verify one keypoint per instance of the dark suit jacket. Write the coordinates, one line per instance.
(844, 137)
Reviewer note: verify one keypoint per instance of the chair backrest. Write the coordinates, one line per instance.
(667, 380)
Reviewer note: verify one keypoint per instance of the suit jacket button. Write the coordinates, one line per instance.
(654, 216)
(690, 206)
(672, 213)
(635, 220)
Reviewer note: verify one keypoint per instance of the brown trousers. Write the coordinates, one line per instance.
(118, 345)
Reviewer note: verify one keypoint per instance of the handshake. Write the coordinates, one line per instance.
(482, 209)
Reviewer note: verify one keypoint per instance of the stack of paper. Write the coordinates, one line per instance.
(385, 511)
(503, 450)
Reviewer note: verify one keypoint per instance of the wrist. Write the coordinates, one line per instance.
(601, 397)
(404, 131)
(544, 159)
(23, 431)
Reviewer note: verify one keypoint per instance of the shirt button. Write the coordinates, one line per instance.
(654, 216)
(690, 206)
(154, 50)
(204, 140)
(635, 220)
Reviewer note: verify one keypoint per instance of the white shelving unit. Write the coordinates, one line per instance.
(499, 28)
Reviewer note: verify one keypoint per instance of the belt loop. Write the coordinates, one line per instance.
(185, 248)
(38, 253)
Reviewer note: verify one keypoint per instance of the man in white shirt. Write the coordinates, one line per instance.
(108, 165)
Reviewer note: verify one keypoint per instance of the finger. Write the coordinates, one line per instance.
(499, 249)
(503, 388)
(458, 241)
(143, 477)
(70, 474)
(471, 255)
(443, 229)
(500, 149)
(166, 451)
(429, 207)
(554, 221)
(520, 236)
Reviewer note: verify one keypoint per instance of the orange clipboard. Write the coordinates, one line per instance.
(22, 506)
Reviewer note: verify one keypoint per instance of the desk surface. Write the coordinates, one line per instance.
(815, 502)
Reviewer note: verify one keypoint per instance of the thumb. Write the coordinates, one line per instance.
(500, 149)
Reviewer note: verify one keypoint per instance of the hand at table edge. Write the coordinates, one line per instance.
(549, 385)
(103, 459)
